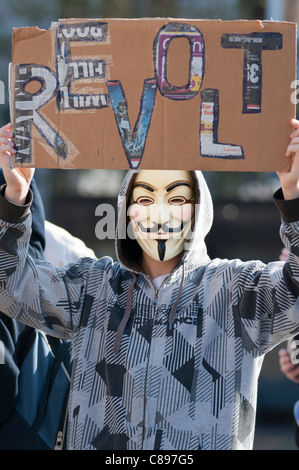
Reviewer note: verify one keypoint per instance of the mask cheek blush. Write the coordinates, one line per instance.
(183, 213)
(137, 212)
(188, 211)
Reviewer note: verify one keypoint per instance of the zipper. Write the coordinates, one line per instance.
(155, 301)
(63, 424)
(58, 444)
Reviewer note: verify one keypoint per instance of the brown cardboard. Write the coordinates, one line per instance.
(227, 104)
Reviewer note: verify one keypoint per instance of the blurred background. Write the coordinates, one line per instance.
(246, 221)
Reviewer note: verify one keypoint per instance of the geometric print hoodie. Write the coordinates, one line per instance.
(173, 369)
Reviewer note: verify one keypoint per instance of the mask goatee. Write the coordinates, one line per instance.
(161, 249)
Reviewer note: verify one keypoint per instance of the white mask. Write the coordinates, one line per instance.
(161, 211)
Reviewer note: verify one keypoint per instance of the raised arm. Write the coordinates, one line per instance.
(27, 290)
(17, 179)
(290, 180)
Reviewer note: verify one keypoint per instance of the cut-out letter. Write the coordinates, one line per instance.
(26, 110)
(196, 64)
(70, 70)
(133, 142)
(253, 45)
(209, 120)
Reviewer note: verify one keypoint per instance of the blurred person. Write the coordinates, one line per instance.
(62, 247)
(51, 243)
(168, 344)
(15, 336)
(289, 366)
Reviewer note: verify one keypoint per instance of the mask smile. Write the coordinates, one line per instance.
(162, 228)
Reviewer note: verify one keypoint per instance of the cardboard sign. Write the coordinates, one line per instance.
(153, 93)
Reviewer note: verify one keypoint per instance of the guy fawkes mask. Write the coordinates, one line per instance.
(161, 211)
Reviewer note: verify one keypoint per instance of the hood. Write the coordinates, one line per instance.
(128, 251)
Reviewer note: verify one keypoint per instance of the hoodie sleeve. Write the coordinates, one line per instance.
(267, 299)
(37, 240)
(36, 293)
(15, 337)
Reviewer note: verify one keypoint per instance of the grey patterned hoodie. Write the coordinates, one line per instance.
(173, 369)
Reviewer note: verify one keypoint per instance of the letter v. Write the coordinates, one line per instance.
(133, 142)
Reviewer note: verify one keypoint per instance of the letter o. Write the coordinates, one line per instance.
(196, 65)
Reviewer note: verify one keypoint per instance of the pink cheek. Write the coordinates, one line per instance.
(137, 213)
(184, 212)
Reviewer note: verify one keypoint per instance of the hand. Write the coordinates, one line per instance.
(290, 179)
(284, 254)
(18, 179)
(290, 370)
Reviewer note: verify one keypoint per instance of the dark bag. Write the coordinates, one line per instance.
(40, 416)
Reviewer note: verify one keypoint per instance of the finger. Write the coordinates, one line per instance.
(295, 123)
(5, 140)
(292, 148)
(294, 134)
(5, 163)
(282, 352)
(6, 148)
(6, 133)
(295, 138)
(6, 126)
(287, 368)
(284, 356)
(284, 360)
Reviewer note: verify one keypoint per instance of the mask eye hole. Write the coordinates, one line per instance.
(144, 201)
(177, 201)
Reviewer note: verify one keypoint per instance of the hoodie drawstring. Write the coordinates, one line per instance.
(174, 306)
(125, 318)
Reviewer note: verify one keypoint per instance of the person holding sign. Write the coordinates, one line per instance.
(168, 344)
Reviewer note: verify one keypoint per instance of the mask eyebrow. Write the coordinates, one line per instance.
(177, 183)
(145, 186)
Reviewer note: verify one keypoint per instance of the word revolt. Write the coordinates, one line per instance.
(60, 84)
